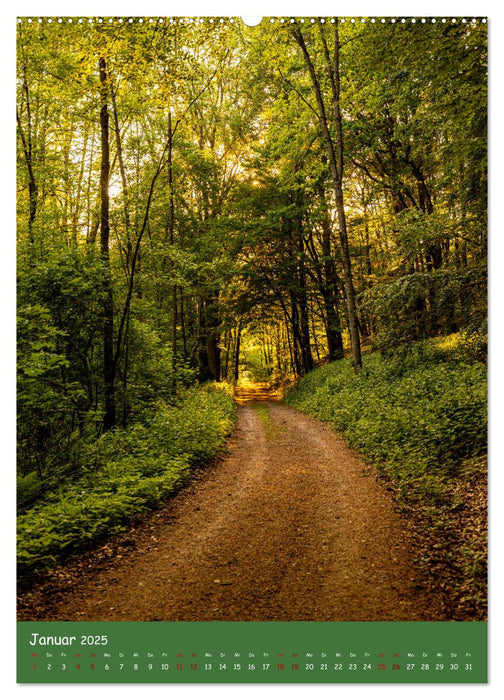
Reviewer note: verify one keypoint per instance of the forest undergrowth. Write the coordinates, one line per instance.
(127, 472)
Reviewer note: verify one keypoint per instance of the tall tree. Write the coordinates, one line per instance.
(109, 418)
(334, 147)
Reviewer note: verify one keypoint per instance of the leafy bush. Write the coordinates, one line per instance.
(417, 414)
(59, 361)
(45, 411)
(127, 472)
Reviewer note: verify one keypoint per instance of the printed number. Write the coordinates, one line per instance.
(222, 667)
(366, 667)
(453, 667)
(63, 667)
(107, 667)
(425, 667)
(94, 639)
(266, 667)
(439, 667)
(150, 667)
(338, 667)
(468, 667)
(165, 667)
(323, 667)
(251, 667)
(410, 667)
(208, 667)
(237, 667)
(49, 667)
(121, 666)
(309, 667)
(352, 667)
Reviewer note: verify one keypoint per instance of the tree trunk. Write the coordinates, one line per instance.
(109, 418)
(174, 337)
(126, 404)
(296, 342)
(227, 344)
(32, 184)
(213, 349)
(335, 156)
(434, 258)
(279, 346)
(171, 230)
(202, 342)
(329, 290)
(237, 354)
(183, 325)
(122, 170)
(304, 322)
(209, 350)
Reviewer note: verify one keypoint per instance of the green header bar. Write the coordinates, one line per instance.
(252, 652)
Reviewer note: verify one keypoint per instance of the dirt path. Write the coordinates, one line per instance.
(286, 527)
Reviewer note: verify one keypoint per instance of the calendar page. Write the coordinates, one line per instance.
(252, 349)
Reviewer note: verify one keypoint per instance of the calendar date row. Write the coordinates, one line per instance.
(177, 667)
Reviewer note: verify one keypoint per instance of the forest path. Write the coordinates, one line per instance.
(289, 525)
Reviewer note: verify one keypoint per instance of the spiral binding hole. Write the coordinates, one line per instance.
(248, 20)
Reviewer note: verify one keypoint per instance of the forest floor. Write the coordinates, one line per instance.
(289, 525)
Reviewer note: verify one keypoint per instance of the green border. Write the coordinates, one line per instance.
(252, 652)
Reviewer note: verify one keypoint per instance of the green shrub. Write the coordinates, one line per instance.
(128, 472)
(417, 414)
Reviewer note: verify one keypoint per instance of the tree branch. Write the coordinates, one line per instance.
(293, 87)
